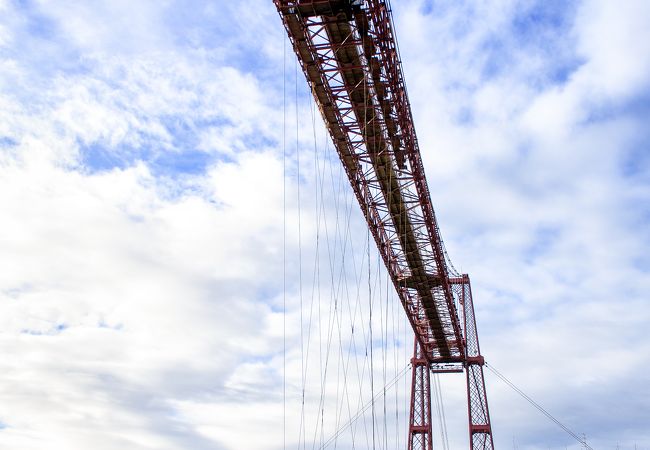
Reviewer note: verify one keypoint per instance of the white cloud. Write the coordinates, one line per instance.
(109, 287)
(142, 308)
(613, 39)
(529, 185)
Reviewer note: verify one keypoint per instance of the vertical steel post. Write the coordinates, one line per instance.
(420, 437)
(480, 429)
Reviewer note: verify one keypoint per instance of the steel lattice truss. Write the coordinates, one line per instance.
(348, 53)
(480, 429)
(420, 416)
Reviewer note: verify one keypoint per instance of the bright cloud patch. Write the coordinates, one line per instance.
(150, 192)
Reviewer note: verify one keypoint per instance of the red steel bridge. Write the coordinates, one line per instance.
(349, 55)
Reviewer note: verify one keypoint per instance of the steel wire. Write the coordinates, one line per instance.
(538, 406)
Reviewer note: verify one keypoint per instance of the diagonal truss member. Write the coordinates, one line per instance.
(348, 53)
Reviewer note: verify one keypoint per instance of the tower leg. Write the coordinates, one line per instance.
(480, 429)
(420, 437)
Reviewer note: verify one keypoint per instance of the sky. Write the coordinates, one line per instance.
(183, 265)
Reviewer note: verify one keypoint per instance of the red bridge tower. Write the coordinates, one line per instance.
(349, 55)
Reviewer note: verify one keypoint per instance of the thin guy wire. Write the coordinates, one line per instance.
(538, 406)
(284, 244)
(302, 436)
(366, 407)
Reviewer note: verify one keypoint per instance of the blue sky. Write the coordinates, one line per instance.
(150, 242)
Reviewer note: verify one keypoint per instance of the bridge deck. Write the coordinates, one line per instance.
(349, 59)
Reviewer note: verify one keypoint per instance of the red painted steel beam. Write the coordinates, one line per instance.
(348, 53)
(420, 435)
(480, 428)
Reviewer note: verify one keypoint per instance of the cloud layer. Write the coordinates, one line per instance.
(174, 222)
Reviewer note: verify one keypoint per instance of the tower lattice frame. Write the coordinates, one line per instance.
(348, 53)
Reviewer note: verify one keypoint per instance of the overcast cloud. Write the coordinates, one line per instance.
(177, 234)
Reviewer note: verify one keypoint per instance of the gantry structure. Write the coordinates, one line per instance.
(349, 55)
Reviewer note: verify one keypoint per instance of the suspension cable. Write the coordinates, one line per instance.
(538, 406)
(440, 408)
(284, 244)
(365, 407)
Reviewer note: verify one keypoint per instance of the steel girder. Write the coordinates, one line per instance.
(420, 435)
(348, 53)
(480, 428)
(349, 57)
